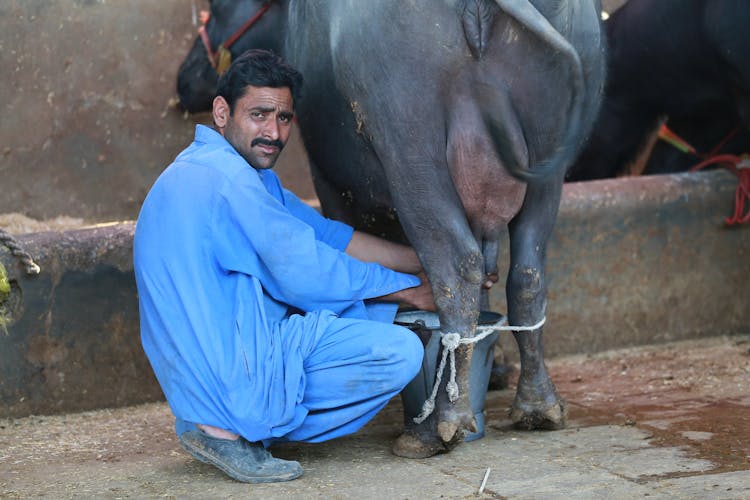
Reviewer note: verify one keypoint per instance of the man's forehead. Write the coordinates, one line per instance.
(275, 97)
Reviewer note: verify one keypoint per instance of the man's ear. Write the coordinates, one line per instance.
(220, 112)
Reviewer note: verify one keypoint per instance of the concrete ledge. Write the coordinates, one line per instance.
(631, 261)
(643, 260)
(73, 340)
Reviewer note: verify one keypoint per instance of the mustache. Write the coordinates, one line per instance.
(259, 140)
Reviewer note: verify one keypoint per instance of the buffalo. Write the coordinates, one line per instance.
(686, 62)
(441, 124)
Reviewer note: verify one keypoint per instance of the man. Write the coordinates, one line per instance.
(264, 321)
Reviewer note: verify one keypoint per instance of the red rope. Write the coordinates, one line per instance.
(241, 31)
(207, 45)
(213, 55)
(740, 165)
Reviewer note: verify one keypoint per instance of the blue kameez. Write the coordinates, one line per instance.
(252, 316)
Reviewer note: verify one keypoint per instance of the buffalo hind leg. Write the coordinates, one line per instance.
(537, 404)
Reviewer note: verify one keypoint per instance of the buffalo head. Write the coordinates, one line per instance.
(234, 27)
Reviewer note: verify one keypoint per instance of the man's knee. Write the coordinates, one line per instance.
(405, 352)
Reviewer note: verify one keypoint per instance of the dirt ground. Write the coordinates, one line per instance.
(693, 394)
(690, 397)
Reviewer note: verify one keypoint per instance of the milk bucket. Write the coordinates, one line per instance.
(427, 326)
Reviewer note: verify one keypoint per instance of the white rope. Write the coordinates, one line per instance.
(450, 342)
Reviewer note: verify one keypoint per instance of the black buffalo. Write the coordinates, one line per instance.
(683, 61)
(441, 123)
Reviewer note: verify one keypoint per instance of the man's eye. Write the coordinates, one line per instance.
(257, 115)
(285, 119)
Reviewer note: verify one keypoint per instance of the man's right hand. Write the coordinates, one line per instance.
(419, 297)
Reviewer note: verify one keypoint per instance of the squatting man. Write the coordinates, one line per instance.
(264, 321)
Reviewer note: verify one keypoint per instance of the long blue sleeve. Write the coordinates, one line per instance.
(255, 234)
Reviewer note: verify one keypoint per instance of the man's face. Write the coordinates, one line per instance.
(260, 125)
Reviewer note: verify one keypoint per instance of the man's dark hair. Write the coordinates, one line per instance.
(258, 68)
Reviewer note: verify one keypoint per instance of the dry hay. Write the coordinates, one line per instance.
(16, 223)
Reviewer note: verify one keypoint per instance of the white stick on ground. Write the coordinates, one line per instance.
(484, 481)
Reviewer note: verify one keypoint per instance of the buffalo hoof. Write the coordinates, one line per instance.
(413, 445)
(452, 435)
(447, 431)
(531, 417)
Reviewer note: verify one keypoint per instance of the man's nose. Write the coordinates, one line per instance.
(272, 129)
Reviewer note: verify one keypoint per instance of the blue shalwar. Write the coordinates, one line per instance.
(252, 316)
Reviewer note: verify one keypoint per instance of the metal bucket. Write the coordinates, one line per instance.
(426, 325)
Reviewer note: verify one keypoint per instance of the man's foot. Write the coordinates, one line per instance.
(217, 432)
(239, 459)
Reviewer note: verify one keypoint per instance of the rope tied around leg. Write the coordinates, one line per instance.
(450, 342)
(18, 252)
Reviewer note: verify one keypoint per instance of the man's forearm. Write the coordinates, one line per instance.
(369, 248)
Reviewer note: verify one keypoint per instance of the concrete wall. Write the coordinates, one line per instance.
(643, 260)
(88, 98)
